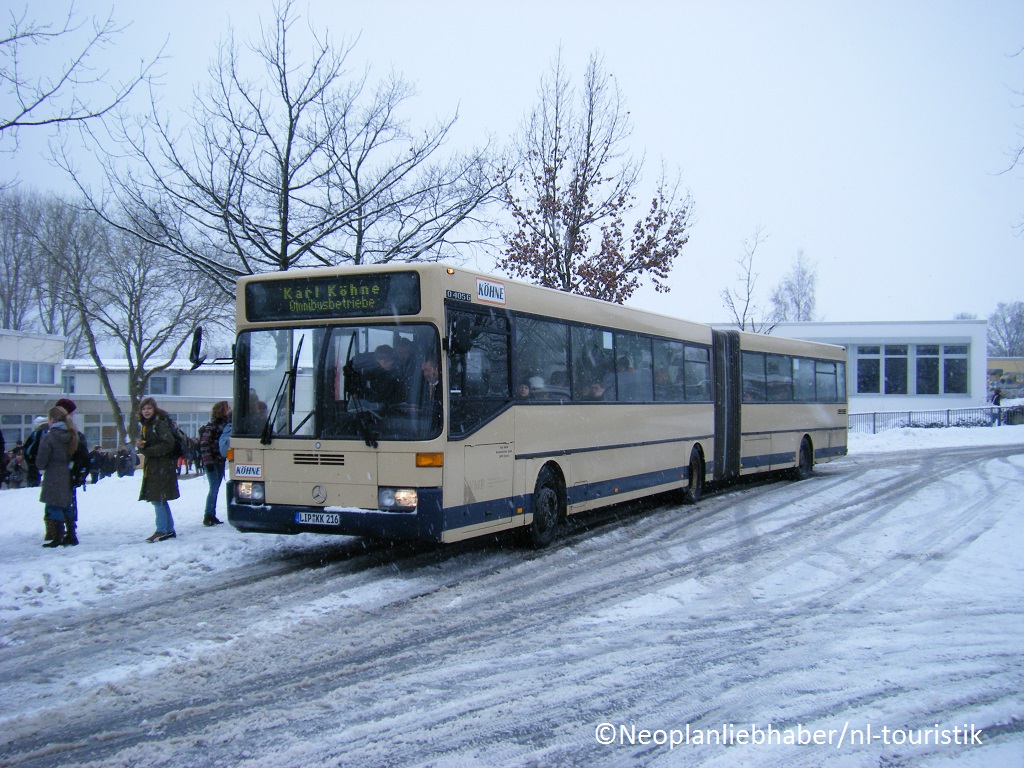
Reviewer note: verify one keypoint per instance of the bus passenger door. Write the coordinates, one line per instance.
(728, 429)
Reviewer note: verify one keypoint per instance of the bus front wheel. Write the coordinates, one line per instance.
(547, 509)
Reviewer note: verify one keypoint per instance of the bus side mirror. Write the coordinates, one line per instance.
(196, 356)
(460, 335)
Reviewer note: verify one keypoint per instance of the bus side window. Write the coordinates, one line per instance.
(478, 369)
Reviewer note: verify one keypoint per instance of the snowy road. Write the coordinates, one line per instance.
(885, 593)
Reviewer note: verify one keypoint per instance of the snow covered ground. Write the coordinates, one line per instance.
(884, 593)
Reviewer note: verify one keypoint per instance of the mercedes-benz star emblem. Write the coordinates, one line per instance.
(319, 494)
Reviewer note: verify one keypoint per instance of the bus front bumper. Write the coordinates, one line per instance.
(425, 523)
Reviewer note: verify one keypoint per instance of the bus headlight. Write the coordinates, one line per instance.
(397, 499)
(250, 492)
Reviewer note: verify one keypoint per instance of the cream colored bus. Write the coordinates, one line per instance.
(435, 403)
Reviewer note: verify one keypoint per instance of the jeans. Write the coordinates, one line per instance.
(58, 514)
(164, 521)
(214, 476)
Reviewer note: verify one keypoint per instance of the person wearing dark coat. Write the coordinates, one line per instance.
(160, 471)
(212, 460)
(69, 406)
(96, 460)
(31, 449)
(55, 450)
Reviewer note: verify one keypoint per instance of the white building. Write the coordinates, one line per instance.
(907, 366)
(186, 395)
(34, 374)
(29, 379)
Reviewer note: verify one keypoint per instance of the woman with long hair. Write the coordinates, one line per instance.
(213, 461)
(160, 471)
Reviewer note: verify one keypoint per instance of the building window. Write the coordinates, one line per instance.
(927, 369)
(67, 383)
(869, 370)
(895, 369)
(163, 385)
(14, 372)
(913, 369)
(954, 369)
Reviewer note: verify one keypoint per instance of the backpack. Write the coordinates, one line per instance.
(31, 448)
(181, 441)
(209, 442)
(79, 464)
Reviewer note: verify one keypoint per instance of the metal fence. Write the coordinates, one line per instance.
(873, 423)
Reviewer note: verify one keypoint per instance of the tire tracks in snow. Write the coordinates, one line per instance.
(497, 598)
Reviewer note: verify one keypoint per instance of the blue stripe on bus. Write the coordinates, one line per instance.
(431, 520)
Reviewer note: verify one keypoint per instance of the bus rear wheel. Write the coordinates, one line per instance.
(695, 483)
(547, 510)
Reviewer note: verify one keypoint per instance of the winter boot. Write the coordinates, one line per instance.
(51, 529)
(70, 539)
(58, 534)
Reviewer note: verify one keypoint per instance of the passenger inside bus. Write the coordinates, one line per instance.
(375, 378)
(431, 397)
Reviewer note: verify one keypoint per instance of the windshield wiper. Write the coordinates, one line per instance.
(288, 378)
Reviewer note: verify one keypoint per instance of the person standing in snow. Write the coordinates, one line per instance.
(159, 473)
(212, 458)
(69, 406)
(55, 450)
(16, 470)
(997, 399)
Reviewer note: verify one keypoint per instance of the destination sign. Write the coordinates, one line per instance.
(308, 298)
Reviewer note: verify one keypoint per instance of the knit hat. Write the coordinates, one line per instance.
(38, 421)
(66, 404)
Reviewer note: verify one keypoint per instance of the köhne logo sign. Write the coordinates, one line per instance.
(489, 291)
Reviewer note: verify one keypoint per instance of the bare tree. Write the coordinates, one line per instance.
(125, 293)
(1006, 330)
(793, 299)
(741, 302)
(573, 188)
(302, 167)
(20, 216)
(58, 233)
(52, 74)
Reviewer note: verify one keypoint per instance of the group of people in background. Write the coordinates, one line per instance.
(19, 471)
(50, 451)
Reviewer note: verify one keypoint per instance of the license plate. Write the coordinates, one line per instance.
(318, 518)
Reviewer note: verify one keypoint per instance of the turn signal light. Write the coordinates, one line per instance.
(429, 459)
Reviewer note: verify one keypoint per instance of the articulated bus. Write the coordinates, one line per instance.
(434, 403)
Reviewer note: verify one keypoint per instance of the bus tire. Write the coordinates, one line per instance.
(695, 483)
(805, 462)
(548, 508)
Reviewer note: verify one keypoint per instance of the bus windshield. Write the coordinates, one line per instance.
(357, 382)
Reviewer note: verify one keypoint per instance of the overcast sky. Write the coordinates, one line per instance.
(871, 135)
